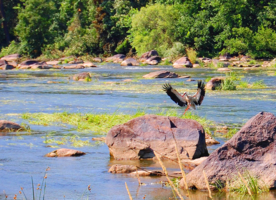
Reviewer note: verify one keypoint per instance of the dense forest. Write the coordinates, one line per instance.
(102, 27)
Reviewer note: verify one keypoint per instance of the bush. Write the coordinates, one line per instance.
(176, 51)
(153, 27)
(191, 53)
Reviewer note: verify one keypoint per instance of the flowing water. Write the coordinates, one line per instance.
(22, 154)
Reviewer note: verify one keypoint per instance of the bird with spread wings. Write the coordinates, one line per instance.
(185, 99)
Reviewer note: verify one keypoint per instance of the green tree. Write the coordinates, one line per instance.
(153, 28)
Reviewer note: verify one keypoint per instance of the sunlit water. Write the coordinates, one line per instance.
(22, 154)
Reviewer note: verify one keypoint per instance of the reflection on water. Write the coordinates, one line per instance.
(22, 154)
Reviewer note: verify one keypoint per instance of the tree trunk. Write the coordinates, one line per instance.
(6, 30)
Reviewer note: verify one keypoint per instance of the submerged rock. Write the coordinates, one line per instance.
(138, 138)
(183, 62)
(9, 126)
(161, 74)
(251, 149)
(64, 153)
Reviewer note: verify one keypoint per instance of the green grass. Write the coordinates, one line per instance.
(252, 62)
(255, 185)
(98, 124)
(255, 85)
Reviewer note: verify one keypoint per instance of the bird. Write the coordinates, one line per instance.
(185, 99)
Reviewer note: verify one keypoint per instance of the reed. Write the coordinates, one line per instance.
(167, 176)
(130, 197)
(207, 184)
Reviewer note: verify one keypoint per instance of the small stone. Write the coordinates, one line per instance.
(65, 153)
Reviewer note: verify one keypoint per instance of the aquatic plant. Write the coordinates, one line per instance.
(255, 85)
(100, 123)
(228, 84)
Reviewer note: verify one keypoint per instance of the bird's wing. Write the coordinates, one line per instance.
(198, 97)
(175, 96)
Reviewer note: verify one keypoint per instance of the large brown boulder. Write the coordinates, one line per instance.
(253, 149)
(9, 126)
(130, 62)
(99, 60)
(214, 83)
(161, 74)
(183, 62)
(12, 57)
(138, 138)
(64, 153)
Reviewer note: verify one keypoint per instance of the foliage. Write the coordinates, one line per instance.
(191, 53)
(98, 123)
(153, 28)
(71, 27)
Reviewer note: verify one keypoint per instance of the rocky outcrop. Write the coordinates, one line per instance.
(130, 62)
(147, 55)
(82, 76)
(138, 138)
(154, 60)
(251, 149)
(161, 74)
(12, 57)
(64, 153)
(9, 126)
(118, 58)
(183, 62)
(214, 83)
(33, 64)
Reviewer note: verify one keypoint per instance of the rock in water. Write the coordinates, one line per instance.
(9, 126)
(118, 169)
(253, 149)
(161, 74)
(139, 137)
(64, 153)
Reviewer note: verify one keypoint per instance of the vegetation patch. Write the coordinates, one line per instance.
(99, 124)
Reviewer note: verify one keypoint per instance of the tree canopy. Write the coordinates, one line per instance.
(81, 27)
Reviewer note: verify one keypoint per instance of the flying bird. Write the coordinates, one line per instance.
(185, 99)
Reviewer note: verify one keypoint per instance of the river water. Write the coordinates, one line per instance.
(26, 91)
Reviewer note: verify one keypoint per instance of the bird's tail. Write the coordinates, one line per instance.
(200, 84)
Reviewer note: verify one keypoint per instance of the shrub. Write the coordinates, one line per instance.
(191, 53)
(153, 27)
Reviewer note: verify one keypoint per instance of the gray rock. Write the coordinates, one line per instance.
(12, 57)
(130, 62)
(9, 126)
(183, 62)
(161, 74)
(65, 153)
(251, 149)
